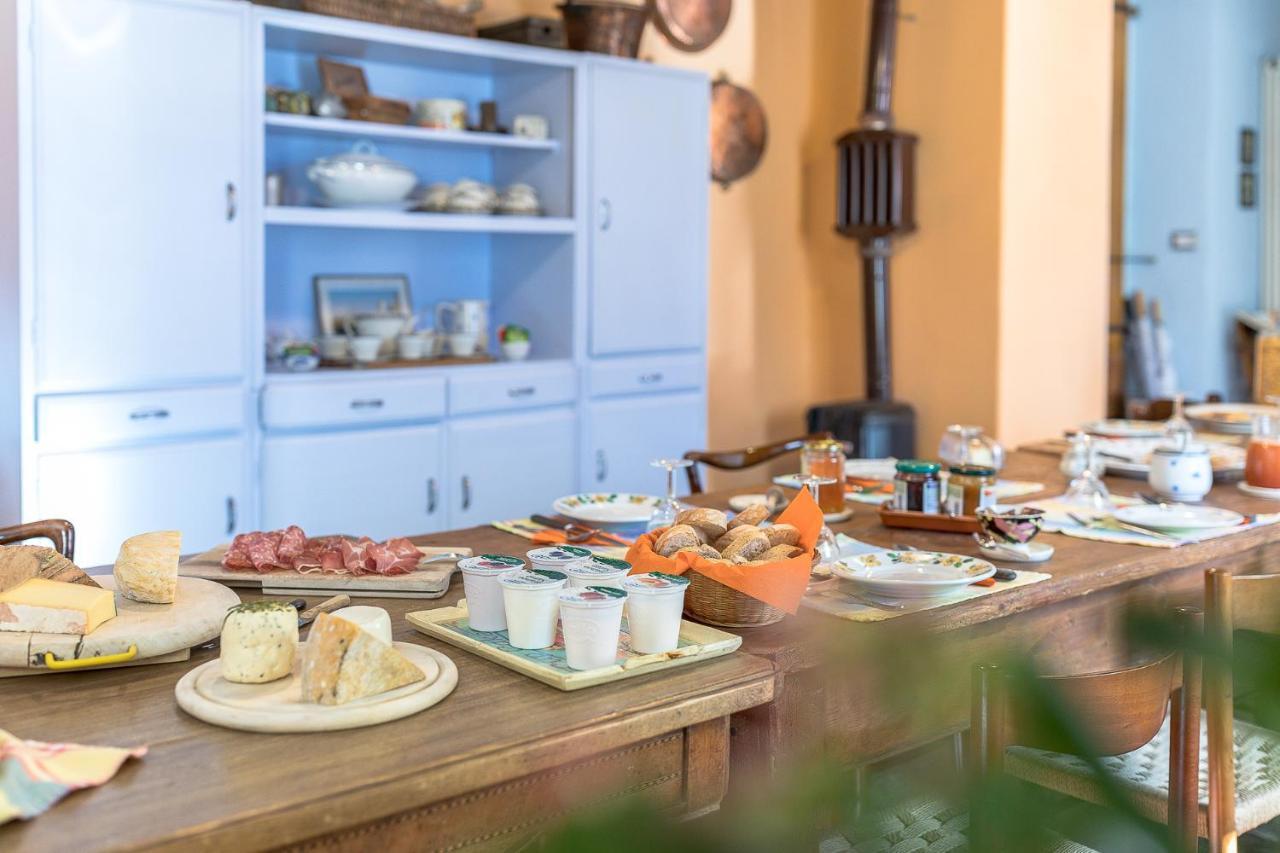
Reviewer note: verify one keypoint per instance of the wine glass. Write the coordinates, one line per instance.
(1087, 490)
(1178, 429)
(666, 509)
(826, 547)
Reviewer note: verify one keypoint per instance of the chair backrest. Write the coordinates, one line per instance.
(58, 531)
(746, 457)
(1248, 603)
(1116, 711)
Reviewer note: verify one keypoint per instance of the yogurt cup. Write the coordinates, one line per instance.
(557, 557)
(654, 604)
(591, 622)
(485, 608)
(532, 605)
(374, 621)
(597, 571)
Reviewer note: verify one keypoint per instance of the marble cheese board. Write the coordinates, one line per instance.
(157, 630)
(431, 580)
(277, 706)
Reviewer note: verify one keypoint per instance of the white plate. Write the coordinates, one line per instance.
(277, 706)
(1121, 428)
(1178, 516)
(606, 507)
(1230, 418)
(738, 503)
(1259, 491)
(1031, 552)
(871, 469)
(912, 574)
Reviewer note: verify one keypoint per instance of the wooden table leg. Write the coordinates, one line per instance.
(706, 766)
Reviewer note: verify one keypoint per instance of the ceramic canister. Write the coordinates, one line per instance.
(1185, 474)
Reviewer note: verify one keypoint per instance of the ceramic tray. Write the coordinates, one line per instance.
(697, 643)
(277, 706)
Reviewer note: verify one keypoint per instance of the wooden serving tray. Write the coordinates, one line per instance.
(939, 522)
(427, 582)
(697, 643)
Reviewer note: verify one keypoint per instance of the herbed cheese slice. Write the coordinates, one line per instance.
(259, 641)
(340, 662)
(49, 607)
(147, 568)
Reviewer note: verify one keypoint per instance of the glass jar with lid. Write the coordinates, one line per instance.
(969, 445)
(916, 486)
(970, 488)
(824, 457)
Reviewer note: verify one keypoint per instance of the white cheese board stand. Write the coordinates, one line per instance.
(277, 706)
(139, 634)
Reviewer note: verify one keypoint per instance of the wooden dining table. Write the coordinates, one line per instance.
(504, 756)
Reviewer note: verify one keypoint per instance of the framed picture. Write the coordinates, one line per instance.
(342, 298)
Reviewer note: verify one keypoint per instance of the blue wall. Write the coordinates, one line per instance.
(1193, 83)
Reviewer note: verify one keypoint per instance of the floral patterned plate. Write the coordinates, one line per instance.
(606, 507)
(911, 574)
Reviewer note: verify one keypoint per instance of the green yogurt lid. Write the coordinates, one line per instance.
(593, 596)
(558, 554)
(599, 567)
(655, 583)
(534, 579)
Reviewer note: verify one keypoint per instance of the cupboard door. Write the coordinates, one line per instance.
(509, 466)
(649, 172)
(378, 482)
(139, 140)
(627, 433)
(109, 495)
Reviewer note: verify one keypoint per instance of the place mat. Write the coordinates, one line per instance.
(35, 775)
(1057, 520)
(536, 533)
(1004, 489)
(835, 601)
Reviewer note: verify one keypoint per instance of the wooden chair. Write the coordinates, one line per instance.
(747, 457)
(58, 531)
(1244, 759)
(1122, 712)
(1161, 409)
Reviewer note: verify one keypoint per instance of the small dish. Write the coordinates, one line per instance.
(1013, 526)
(1259, 491)
(606, 507)
(1178, 517)
(1031, 552)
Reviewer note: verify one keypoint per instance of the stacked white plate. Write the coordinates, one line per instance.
(902, 575)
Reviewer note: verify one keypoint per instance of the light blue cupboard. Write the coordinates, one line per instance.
(626, 433)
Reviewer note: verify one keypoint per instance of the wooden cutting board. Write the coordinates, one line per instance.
(158, 630)
(430, 581)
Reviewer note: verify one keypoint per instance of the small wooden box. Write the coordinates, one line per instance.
(929, 521)
(541, 32)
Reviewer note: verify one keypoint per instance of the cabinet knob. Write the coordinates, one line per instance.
(466, 492)
(606, 214)
(231, 201)
(431, 495)
(231, 515)
(602, 466)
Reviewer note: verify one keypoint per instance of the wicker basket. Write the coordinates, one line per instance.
(712, 602)
(415, 14)
(604, 26)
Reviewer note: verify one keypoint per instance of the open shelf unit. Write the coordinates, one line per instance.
(282, 123)
(394, 220)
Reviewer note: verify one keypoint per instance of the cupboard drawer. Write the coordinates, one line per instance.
(642, 375)
(517, 388)
(95, 420)
(348, 402)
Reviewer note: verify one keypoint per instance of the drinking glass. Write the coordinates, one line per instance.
(1087, 490)
(1262, 460)
(1178, 429)
(666, 509)
(828, 550)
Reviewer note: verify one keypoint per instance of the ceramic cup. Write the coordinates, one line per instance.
(486, 610)
(654, 604)
(374, 621)
(532, 605)
(557, 557)
(591, 622)
(597, 571)
(365, 347)
(443, 113)
(463, 343)
(333, 347)
(515, 350)
(1184, 474)
(1011, 526)
(410, 346)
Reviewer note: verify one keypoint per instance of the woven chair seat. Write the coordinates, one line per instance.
(1144, 773)
(922, 826)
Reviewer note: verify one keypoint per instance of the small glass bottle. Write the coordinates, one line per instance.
(916, 486)
(824, 457)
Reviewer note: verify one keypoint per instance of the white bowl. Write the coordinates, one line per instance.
(515, 350)
(381, 327)
(365, 347)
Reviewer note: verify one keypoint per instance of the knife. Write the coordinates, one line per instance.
(546, 521)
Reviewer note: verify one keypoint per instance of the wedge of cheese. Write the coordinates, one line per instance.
(147, 568)
(341, 662)
(49, 607)
(259, 642)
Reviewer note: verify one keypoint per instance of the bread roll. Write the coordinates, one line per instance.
(748, 547)
(752, 515)
(779, 552)
(676, 537)
(712, 523)
(705, 551)
(782, 534)
(732, 534)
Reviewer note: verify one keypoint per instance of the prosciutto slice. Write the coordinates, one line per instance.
(291, 549)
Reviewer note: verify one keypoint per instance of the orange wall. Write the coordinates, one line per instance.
(1006, 223)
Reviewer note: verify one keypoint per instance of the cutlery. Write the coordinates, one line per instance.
(439, 558)
(1101, 524)
(308, 616)
(575, 532)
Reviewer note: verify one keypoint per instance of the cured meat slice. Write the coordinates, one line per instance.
(266, 551)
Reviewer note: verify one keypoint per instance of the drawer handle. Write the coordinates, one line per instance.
(650, 378)
(466, 492)
(148, 414)
(373, 403)
(602, 466)
(431, 495)
(232, 206)
(231, 515)
(521, 391)
(606, 214)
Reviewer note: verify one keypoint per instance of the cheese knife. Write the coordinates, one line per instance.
(309, 615)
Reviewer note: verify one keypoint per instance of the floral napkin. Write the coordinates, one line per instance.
(35, 775)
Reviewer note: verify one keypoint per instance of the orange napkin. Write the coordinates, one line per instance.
(781, 584)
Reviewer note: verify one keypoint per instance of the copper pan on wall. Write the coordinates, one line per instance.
(691, 25)
(739, 131)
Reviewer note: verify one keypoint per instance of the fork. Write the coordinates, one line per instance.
(1098, 524)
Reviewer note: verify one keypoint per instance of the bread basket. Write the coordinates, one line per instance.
(714, 603)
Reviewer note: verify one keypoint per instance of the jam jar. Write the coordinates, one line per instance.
(916, 486)
(970, 488)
